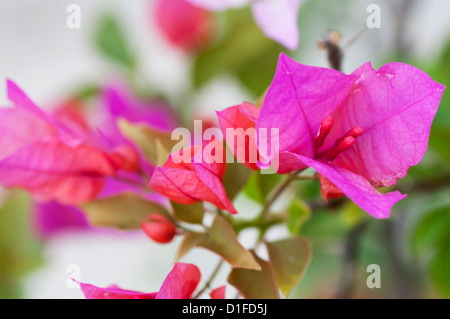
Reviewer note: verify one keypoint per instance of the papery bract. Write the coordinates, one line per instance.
(50, 218)
(72, 115)
(359, 131)
(180, 283)
(219, 5)
(21, 124)
(113, 292)
(12, 137)
(188, 181)
(276, 18)
(119, 103)
(241, 120)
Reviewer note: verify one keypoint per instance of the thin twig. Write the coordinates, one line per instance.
(210, 280)
(280, 189)
(353, 40)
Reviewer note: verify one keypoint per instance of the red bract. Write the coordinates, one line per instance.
(359, 131)
(184, 25)
(180, 283)
(159, 228)
(218, 293)
(125, 157)
(238, 126)
(49, 169)
(192, 175)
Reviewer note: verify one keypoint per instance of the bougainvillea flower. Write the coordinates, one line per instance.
(359, 131)
(180, 283)
(50, 169)
(241, 120)
(42, 155)
(276, 18)
(192, 179)
(186, 26)
(159, 228)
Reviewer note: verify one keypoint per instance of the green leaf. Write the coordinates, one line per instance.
(430, 240)
(20, 252)
(190, 240)
(236, 176)
(255, 284)
(430, 231)
(124, 211)
(150, 141)
(290, 259)
(112, 42)
(243, 51)
(352, 215)
(189, 213)
(298, 213)
(440, 267)
(440, 132)
(440, 135)
(325, 224)
(260, 185)
(222, 240)
(86, 92)
(251, 189)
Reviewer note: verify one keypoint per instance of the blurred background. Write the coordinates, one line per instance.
(224, 60)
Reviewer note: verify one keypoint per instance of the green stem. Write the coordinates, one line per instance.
(258, 222)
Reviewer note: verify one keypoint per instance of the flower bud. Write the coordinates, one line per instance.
(159, 228)
(185, 26)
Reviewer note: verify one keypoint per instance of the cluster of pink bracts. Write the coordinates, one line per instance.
(359, 132)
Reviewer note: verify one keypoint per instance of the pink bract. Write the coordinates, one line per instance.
(276, 18)
(180, 283)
